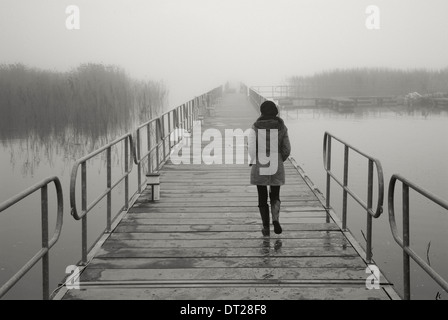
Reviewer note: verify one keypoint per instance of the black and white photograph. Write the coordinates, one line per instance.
(232, 157)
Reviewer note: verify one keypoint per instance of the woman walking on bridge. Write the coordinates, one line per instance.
(269, 147)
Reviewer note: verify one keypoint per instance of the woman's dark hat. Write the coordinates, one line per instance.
(268, 108)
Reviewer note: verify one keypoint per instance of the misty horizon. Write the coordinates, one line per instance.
(193, 46)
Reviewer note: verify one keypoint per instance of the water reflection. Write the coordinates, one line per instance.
(48, 122)
(26, 155)
(48, 115)
(59, 150)
(266, 247)
(278, 245)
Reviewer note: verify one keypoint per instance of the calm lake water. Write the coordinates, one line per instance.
(410, 142)
(24, 163)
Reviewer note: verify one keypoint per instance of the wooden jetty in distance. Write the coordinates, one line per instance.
(343, 105)
(202, 239)
(340, 104)
(440, 102)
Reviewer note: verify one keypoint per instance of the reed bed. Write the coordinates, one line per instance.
(371, 82)
(90, 102)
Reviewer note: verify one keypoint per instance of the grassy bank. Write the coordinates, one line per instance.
(371, 82)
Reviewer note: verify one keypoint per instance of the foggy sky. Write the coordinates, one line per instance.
(194, 45)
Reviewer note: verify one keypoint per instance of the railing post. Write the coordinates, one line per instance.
(148, 134)
(406, 244)
(344, 202)
(139, 166)
(126, 169)
(190, 111)
(188, 116)
(179, 123)
(109, 193)
(84, 209)
(193, 114)
(45, 245)
(163, 138)
(176, 117)
(369, 216)
(328, 160)
(158, 145)
(169, 129)
(182, 124)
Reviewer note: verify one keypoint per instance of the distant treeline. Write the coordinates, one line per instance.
(92, 100)
(370, 82)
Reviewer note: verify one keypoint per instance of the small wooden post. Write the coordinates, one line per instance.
(153, 180)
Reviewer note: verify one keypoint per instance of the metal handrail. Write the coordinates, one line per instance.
(182, 117)
(86, 208)
(276, 92)
(162, 134)
(138, 159)
(189, 112)
(47, 243)
(373, 162)
(404, 242)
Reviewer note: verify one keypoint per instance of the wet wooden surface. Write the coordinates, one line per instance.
(202, 240)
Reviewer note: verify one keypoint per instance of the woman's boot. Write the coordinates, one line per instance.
(264, 212)
(275, 207)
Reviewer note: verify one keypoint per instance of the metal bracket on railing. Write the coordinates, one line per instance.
(153, 181)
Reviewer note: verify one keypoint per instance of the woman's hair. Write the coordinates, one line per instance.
(269, 108)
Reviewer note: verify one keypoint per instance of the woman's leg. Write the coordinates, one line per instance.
(275, 207)
(275, 193)
(264, 209)
(262, 196)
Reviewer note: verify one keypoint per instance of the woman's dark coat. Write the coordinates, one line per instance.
(259, 145)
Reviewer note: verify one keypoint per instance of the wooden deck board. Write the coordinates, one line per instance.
(217, 221)
(244, 235)
(227, 243)
(202, 240)
(220, 215)
(275, 292)
(218, 228)
(261, 252)
(227, 262)
(260, 274)
(211, 209)
(222, 203)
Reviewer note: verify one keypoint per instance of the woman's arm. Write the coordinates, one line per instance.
(285, 147)
(252, 147)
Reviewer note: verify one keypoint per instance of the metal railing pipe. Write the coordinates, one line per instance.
(368, 206)
(47, 243)
(405, 241)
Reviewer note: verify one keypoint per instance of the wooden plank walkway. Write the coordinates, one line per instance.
(202, 240)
